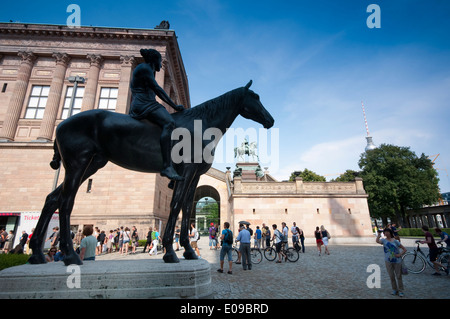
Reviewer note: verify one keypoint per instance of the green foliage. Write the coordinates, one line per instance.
(307, 176)
(396, 179)
(11, 260)
(417, 232)
(348, 176)
(142, 242)
(213, 213)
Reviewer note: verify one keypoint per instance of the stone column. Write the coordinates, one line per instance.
(90, 90)
(124, 94)
(54, 97)
(160, 78)
(359, 185)
(446, 219)
(299, 185)
(237, 184)
(18, 96)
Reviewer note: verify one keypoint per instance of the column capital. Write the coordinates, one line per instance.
(27, 57)
(127, 60)
(95, 59)
(61, 58)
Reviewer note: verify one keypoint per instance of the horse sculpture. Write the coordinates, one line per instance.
(246, 149)
(87, 141)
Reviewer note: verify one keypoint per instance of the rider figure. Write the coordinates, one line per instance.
(144, 89)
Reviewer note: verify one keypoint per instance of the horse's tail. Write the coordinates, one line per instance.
(56, 161)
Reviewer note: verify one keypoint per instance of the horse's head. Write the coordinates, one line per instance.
(252, 109)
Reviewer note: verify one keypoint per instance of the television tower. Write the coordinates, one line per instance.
(370, 145)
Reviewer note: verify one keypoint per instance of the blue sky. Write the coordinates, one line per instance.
(312, 63)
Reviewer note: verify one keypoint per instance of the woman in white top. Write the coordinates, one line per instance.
(325, 237)
(193, 236)
(126, 240)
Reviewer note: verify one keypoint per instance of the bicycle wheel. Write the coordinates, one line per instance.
(445, 260)
(255, 255)
(270, 254)
(292, 254)
(414, 263)
(234, 254)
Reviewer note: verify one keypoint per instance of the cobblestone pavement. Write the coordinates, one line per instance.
(341, 275)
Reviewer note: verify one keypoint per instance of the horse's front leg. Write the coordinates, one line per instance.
(188, 203)
(37, 240)
(175, 207)
(180, 195)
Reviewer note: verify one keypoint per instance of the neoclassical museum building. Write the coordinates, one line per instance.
(50, 72)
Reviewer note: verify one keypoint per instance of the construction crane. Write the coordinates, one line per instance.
(435, 156)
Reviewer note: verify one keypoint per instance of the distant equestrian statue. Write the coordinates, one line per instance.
(246, 149)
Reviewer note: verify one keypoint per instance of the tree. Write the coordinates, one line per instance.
(212, 213)
(348, 176)
(307, 176)
(396, 179)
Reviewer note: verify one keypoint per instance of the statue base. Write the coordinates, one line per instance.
(248, 170)
(114, 279)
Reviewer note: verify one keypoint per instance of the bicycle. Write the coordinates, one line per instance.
(255, 254)
(290, 254)
(416, 261)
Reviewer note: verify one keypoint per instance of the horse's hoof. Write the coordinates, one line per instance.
(37, 259)
(171, 258)
(72, 260)
(190, 254)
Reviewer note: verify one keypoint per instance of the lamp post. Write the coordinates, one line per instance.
(75, 80)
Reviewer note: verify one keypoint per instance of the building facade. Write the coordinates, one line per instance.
(41, 67)
(37, 64)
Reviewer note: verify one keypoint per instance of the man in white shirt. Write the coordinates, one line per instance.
(285, 234)
(277, 239)
(193, 236)
(294, 234)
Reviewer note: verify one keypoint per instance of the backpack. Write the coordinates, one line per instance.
(228, 238)
(213, 233)
(280, 235)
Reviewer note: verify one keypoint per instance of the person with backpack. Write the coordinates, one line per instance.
(279, 240)
(227, 243)
(212, 237)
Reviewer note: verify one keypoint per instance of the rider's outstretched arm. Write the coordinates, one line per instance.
(159, 91)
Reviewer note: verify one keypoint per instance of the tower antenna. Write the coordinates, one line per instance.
(370, 145)
(365, 119)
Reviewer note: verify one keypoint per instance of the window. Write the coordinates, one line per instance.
(108, 99)
(37, 102)
(77, 102)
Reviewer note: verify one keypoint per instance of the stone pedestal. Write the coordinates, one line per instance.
(112, 279)
(248, 170)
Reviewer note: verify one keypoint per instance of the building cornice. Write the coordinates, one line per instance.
(86, 32)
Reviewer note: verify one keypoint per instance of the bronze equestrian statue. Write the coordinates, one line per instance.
(85, 143)
(144, 105)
